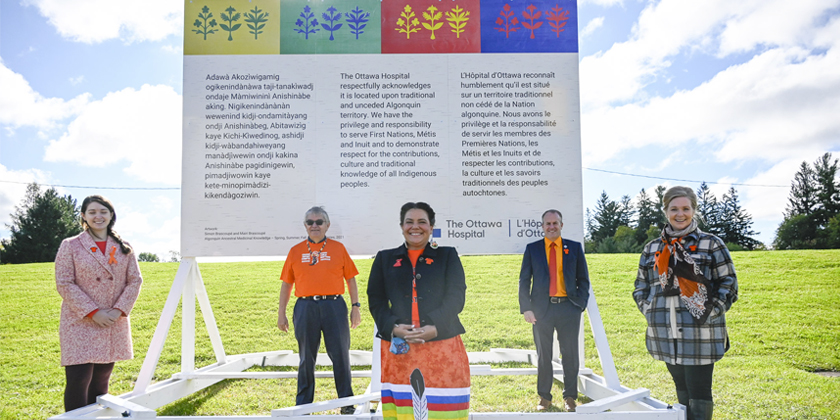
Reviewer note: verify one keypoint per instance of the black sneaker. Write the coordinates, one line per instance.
(348, 409)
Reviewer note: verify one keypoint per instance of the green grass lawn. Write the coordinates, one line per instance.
(785, 327)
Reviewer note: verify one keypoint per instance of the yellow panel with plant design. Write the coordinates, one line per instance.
(223, 27)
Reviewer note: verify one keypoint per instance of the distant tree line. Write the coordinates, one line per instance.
(812, 215)
(625, 226)
(40, 223)
(811, 219)
(148, 257)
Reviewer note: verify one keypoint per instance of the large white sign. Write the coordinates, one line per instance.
(489, 140)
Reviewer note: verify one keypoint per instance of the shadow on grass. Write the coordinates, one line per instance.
(189, 405)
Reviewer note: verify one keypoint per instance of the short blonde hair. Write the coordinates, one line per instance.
(677, 192)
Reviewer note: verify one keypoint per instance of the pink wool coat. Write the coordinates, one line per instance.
(86, 281)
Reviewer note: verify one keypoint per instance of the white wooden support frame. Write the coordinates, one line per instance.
(611, 400)
(126, 408)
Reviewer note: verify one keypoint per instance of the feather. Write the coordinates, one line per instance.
(418, 395)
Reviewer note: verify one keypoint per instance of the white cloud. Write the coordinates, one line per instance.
(162, 203)
(20, 105)
(720, 27)
(778, 106)
(592, 26)
(782, 103)
(148, 233)
(766, 203)
(722, 186)
(761, 23)
(94, 21)
(142, 127)
(77, 80)
(663, 29)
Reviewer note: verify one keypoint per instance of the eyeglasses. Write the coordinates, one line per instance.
(318, 222)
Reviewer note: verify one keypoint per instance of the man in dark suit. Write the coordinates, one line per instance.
(554, 301)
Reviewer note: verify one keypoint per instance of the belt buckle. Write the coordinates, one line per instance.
(316, 298)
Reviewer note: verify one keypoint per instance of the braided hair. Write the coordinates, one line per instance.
(124, 247)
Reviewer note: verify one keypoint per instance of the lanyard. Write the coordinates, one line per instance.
(314, 257)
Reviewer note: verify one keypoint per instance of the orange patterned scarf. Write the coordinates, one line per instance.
(680, 275)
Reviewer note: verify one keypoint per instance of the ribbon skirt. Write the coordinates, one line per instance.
(431, 381)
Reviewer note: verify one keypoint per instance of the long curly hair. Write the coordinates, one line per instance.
(124, 247)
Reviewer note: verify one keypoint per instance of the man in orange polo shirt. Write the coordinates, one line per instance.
(554, 302)
(318, 268)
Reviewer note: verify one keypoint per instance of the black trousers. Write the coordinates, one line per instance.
(696, 380)
(564, 318)
(85, 383)
(310, 319)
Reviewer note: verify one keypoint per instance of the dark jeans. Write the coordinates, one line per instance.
(565, 319)
(310, 319)
(695, 380)
(85, 383)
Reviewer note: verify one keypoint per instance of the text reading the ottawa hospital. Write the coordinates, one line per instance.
(386, 128)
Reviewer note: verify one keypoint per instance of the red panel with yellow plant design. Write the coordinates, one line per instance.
(431, 26)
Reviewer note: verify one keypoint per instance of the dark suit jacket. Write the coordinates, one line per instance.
(441, 289)
(533, 296)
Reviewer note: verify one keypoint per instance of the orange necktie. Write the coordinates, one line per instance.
(552, 268)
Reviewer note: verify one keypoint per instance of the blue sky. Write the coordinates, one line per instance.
(733, 93)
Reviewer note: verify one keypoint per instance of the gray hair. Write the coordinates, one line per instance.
(319, 211)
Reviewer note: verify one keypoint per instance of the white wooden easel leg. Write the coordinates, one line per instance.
(375, 365)
(209, 318)
(162, 329)
(601, 343)
(188, 322)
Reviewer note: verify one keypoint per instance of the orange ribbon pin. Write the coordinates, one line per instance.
(111, 259)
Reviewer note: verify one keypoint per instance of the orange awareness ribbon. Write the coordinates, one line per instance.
(111, 259)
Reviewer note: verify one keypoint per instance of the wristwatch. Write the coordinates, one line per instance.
(357, 304)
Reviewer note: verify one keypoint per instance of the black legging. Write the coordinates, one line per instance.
(695, 380)
(85, 383)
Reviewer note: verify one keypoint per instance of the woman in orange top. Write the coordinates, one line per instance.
(416, 292)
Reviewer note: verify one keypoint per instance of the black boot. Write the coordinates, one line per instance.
(700, 409)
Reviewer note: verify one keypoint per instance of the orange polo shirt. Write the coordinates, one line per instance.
(327, 277)
(558, 250)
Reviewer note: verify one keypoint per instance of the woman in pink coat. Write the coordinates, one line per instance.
(97, 276)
